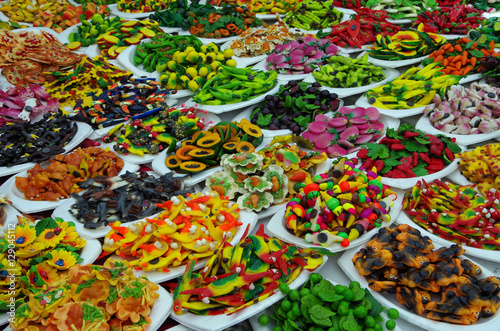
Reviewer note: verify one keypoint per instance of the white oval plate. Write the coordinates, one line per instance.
(407, 183)
(281, 77)
(345, 263)
(137, 159)
(396, 113)
(242, 62)
(219, 109)
(453, 36)
(126, 59)
(268, 16)
(157, 277)
(400, 21)
(394, 64)
(84, 130)
(390, 74)
(159, 166)
(207, 41)
(470, 78)
(29, 206)
(345, 10)
(220, 322)
(477, 252)
(457, 178)
(159, 312)
(37, 29)
(424, 124)
(254, 320)
(93, 51)
(350, 50)
(277, 228)
(273, 133)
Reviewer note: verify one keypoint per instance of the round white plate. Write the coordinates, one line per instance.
(219, 109)
(248, 219)
(281, 77)
(277, 227)
(425, 125)
(396, 113)
(394, 64)
(389, 123)
(220, 322)
(10, 218)
(390, 301)
(242, 62)
(159, 312)
(207, 41)
(390, 74)
(477, 252)
(84, 130)
(254, 320)
(30, 206)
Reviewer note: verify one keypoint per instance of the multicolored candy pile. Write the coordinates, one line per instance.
(456, 213)
(187, 229)
(339, 206)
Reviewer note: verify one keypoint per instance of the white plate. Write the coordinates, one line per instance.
(390, 74)
(10, 217)
(242, 62)
(89, 253)
(396, 113)
(126, 59)
(254, 320)
(268, 16)
(116, 12)
(37, 29)
(346, 11)
(400, 21)
(220, 322)
(137, 159)
(277, 228)
(273, 133)
(425, 125)
(233, 106)
(159, 312)
(157, 277)
(207, 41)
(477, 252)
(453, 36)
(390, 301)
(29, 206)
(470, 78)
(350, 50)
(281, 77)
(84, 130)
(94, 50)
(394, 64)
(407, 183)
(159, 166)
(457, 178)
